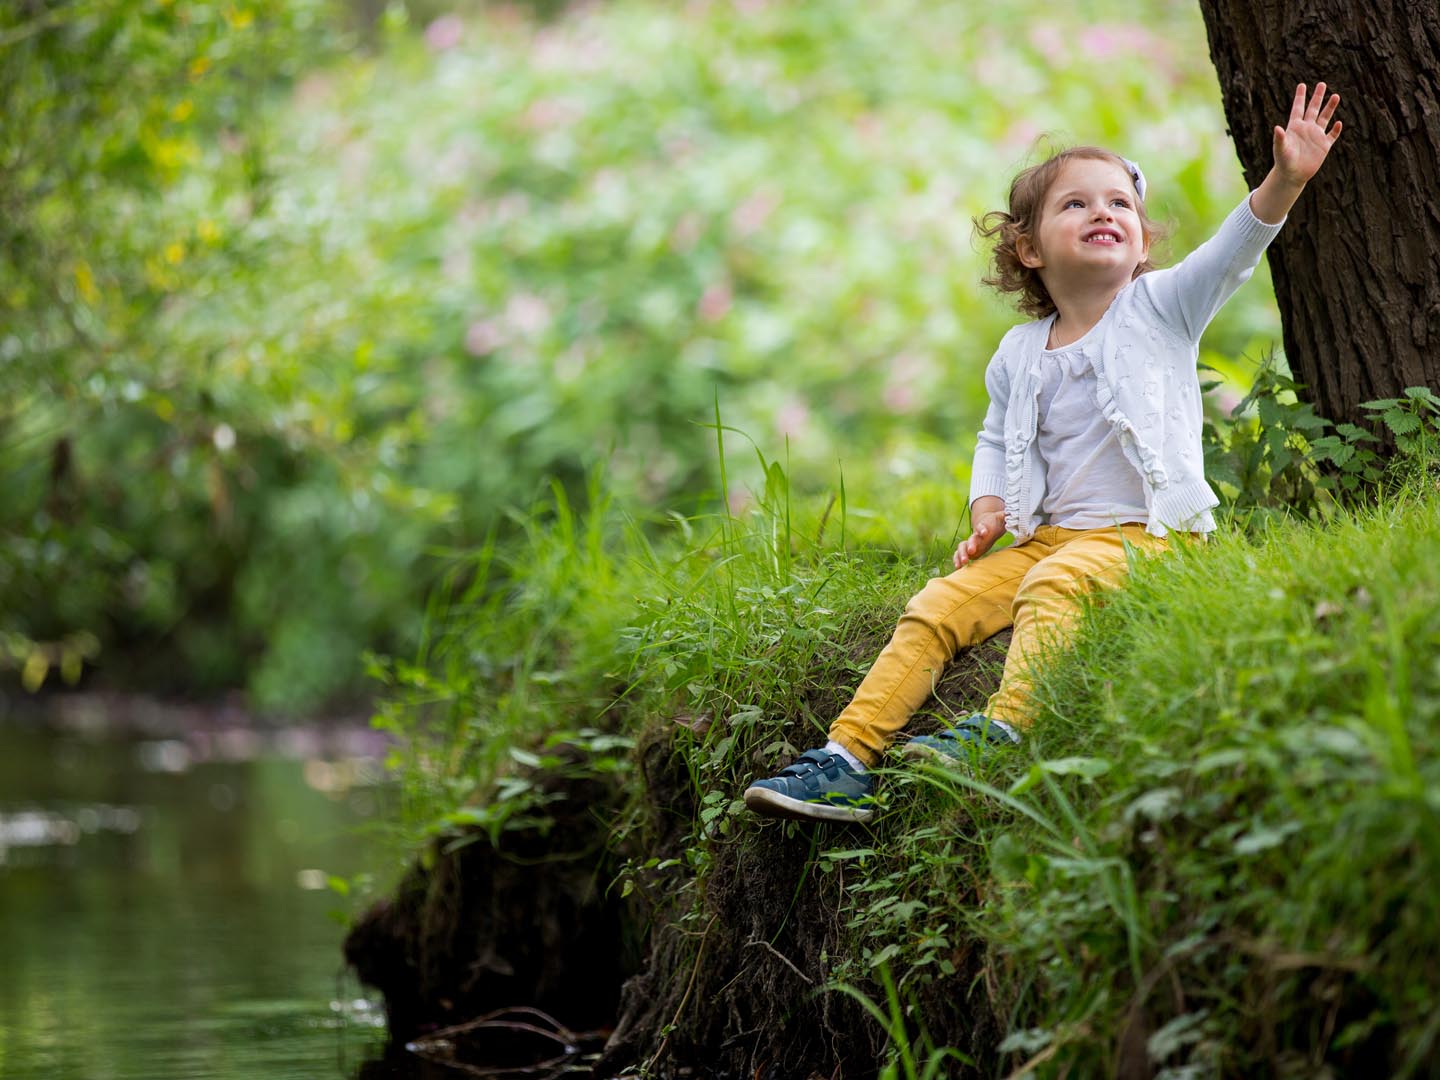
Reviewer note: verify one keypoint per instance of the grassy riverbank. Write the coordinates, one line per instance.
(1210, 854)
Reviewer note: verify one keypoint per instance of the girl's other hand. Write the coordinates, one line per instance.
(988, 528)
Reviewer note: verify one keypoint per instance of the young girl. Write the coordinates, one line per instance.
(1090, 446)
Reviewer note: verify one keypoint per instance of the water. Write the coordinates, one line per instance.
(164, 901)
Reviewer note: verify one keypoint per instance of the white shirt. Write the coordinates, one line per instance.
(1089, 484)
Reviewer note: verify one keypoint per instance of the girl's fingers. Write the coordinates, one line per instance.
(1313, 109)
(1297, 107)
(1329, 110)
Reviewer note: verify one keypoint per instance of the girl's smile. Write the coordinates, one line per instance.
(1090, 207)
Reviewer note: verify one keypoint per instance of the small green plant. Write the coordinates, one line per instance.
(905, 1049)
(1413, 421)
(1275, 457)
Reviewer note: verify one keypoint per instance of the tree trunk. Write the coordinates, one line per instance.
(1357, 266)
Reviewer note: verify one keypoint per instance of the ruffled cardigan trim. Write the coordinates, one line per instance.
(1187, 504)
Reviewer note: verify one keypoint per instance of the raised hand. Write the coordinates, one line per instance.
(1301, 146)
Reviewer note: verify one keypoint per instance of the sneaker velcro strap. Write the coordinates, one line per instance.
(812, 761)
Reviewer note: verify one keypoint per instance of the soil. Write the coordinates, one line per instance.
(726, 984)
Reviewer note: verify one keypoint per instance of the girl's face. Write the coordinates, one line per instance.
(1089, 230)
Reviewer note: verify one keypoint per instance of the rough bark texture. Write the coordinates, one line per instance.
(1357, 266)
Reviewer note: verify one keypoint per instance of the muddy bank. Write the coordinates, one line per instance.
(720, 973)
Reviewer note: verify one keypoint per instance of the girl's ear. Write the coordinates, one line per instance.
(1026, 253)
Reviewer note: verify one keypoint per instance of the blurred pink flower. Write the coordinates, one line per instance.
(313, 90)
(444, 33)
(1021, 133)
(471, 214)
(1049, 42)
(992, 70)
(483, 337)
(792, 418)
(739, 499)
(1114, 39)
(687, 232)
(716, 302)
(907, 374)
(752, 214)
(1227, 398)
(527, 314)
(607, 182)
(869, 127)
(900, 397)
(547, 114)
(571, 45)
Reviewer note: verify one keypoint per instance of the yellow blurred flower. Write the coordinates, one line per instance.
(37, 666)
(85, 282)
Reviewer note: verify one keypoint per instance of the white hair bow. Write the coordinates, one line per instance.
(1137, 176)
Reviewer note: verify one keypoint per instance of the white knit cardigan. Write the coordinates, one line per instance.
(1145, 350)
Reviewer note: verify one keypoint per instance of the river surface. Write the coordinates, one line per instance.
(171, 899)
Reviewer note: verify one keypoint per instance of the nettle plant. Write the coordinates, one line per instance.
(1275, 455)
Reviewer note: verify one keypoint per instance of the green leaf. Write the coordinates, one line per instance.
(1087, 767)
(1264, 837)
(1354, 433)
(1175, 1034)
(884, 954)
(1157, 804)
(1401, 423)
(1421, 393)
(1008, 859)
(850, 853)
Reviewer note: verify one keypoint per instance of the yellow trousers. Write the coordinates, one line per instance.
(1034, 587)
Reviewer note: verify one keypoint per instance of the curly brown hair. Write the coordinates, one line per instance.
(1027, 196)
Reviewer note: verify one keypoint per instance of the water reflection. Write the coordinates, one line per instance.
(170, 896)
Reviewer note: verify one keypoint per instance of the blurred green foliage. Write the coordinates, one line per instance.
(287, 307)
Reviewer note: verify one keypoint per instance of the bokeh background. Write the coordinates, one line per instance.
(299, 298)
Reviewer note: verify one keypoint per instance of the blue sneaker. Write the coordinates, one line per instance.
(818, 786)
(973, 738)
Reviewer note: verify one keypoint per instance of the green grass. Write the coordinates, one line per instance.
(1214, 851)
(1248, 864)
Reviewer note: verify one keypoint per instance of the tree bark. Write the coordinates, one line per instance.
(1357, 266)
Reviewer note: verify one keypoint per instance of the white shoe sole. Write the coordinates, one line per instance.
(769, 803)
